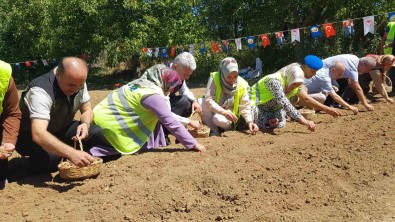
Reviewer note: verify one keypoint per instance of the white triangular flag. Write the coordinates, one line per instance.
(295, 35)
(192, 49)
(368, 24)
(45, 63)
(238, 44)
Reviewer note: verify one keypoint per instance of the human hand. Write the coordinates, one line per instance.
(390, 100)
(369, 107)
(309, 124)
(333, 112)
(253, 128)
(82, 132)
(80, 158)
(335, 88)
(195, 124)
(355, 110)
(229, 115)
(199, 147)
(196, 107)
(8, 148)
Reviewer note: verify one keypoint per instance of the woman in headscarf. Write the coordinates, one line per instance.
(130, 115)
(270, 96)
(226, 100)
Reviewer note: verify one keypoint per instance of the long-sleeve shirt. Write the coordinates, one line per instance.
(227, 101)
(11, 115)
(159, 106)
(276, 88)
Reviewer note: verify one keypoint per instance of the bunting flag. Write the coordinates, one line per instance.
(295, 35)
(368, 24)
(348, 27)
(329, 30)
(149, 52)
(192, 49)
(214, 47)
(250, 42)
(18, 66)
(225, 45)
(280, 38)
(45, 63)
(391, 16)
(144, 50)
(265, 40)
(172, 51)
(156, 52)
(238, 44)
(27, 63)
(315, 31)
(163, 53)
(202, 48)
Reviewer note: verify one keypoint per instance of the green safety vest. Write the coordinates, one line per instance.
(126, 124)
(5, 75)
(241, 88)
(259, 94)
(390, 38)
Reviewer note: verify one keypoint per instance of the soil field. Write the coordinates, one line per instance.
(344, 171)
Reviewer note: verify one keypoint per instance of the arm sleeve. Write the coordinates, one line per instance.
(85, 95)
(245, 108)
(275, 87)
(158, 105)
(184, 90)
(39, 103)
(210, 97)
(11, 115)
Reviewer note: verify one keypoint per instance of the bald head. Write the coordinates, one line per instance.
(71, 75)
(337, 70)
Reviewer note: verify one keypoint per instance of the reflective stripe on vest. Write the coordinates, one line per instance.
(241, 88)
(259, 94)
(390, 38)
(5, 75)
(126, 124)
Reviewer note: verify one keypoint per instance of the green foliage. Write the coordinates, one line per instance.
(116, 30)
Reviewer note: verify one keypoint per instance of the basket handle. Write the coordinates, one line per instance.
(79, 142)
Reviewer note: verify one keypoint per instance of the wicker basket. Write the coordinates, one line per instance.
(307, 113)
(203, 132)
(69, 171)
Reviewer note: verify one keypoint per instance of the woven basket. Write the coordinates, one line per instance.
(307, 113)
(203, 132)
(69, 171)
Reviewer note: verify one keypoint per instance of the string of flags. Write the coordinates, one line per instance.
(316, 31)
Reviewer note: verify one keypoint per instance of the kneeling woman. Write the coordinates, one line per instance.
(270, 98)
(129, 115)
(226, 99)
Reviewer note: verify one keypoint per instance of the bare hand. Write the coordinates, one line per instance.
(82, 132)
(199, 147)
(8, 148)
(196, 107)
(369, 107)
(309, 124)
(80, 158)
(195, 124)
(333, 112)
(229, 115)
(355, 110)
(390, 100)
(253, 128)
(335, 88)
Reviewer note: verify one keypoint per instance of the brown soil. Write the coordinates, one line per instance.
(345, 171)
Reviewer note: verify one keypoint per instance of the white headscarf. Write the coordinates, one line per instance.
(227, 66)
(292, 73)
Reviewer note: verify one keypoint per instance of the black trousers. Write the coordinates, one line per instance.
(349, 94)
(41, 162)
(181, 106)
(343, 83)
